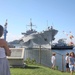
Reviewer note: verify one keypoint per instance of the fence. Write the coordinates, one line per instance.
(43, 57)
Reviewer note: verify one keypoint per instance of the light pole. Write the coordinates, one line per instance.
(5, 30)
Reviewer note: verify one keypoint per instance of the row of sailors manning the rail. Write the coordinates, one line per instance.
(70, 62)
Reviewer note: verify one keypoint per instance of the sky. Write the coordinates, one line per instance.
(57, 13)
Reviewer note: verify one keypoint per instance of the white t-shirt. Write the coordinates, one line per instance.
(2, 53)
(53, 59)
(67, 59)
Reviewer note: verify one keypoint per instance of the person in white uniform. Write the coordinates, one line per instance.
(4, 51)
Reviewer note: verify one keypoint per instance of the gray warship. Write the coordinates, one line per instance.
(33, 39)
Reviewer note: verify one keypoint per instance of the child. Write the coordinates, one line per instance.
(53, 60)
(4, 51)
(71, 63)
(67, 62)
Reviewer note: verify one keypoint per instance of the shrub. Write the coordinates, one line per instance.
(30, 61)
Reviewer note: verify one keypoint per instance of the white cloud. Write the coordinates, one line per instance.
(11, 37)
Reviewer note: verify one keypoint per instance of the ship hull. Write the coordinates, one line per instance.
(62, 47)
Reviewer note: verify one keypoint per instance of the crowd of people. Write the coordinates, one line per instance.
(70, 62)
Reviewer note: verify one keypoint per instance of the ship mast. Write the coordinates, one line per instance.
(5, 30)
(31, 25)
(31, 29)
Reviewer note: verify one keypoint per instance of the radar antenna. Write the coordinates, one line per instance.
(31, 25)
